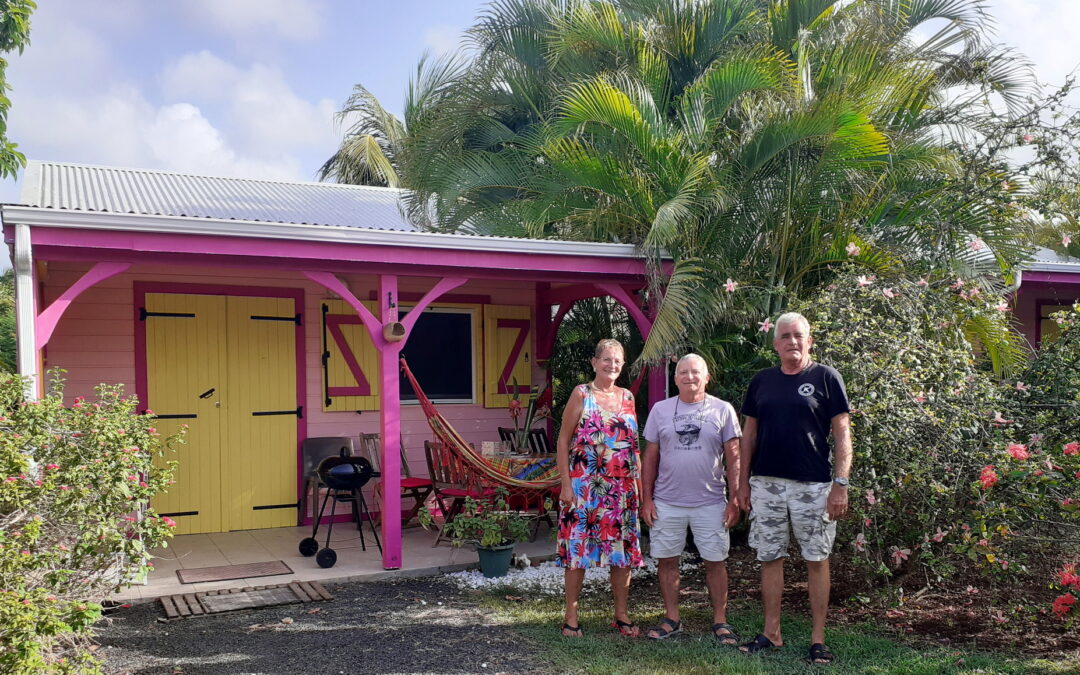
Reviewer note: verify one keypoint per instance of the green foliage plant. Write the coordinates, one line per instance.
(486, 522)
(14, 36)
(956, 472)
(75, 482)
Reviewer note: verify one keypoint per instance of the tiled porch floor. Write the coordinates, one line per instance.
(353, 564)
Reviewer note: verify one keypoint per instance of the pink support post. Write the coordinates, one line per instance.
(46, 322)
(390, 425)
(389, 388)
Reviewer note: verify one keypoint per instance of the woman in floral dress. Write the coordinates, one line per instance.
(598, 463)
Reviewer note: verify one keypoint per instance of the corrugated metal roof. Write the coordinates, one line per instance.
(79, 187)
(1048, 260)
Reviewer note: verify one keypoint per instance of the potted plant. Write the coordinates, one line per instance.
(491, 526)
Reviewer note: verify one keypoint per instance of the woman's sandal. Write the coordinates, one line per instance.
(729, 637)
(758, 644)
(666, 629)
(626, 629)
(572, 631)
(820, 655)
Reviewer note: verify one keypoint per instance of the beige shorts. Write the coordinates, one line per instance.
(667, 536)
(779, 506)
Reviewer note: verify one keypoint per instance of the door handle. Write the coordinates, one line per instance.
(208, 393)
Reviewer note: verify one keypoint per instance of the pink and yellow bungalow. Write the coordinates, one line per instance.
(1049, 282)
(261, 313)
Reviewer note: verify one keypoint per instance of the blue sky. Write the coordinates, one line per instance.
(250, 87)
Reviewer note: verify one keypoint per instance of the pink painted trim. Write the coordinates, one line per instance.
(333, 326)
(141, 288)
(460, 298)
(553, 331)
(507, 265)
(45, 323)
(624, 298)
(567, 294)
(444, 285)
(332, 283)
(1051, 277)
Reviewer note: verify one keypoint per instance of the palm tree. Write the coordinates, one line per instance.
(748, 140)
(371, 148)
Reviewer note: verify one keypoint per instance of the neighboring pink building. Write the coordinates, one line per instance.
(254, 311)
(1049, 283)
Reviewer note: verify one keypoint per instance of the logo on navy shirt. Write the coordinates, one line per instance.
(806, 389)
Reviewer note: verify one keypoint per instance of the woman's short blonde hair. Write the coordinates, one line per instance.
(608, 343)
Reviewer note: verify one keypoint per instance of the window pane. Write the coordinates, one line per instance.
(440, 355)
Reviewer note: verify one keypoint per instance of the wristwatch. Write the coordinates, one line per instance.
(841, 481)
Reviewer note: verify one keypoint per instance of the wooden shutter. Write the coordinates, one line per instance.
(351, 361)
(508, 353)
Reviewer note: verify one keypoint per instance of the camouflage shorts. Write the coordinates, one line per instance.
(776, 503)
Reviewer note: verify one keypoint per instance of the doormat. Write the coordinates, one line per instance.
(227, 572)
(251, 597)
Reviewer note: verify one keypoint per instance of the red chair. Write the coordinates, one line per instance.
(419, 489)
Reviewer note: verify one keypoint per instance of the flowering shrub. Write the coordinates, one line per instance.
(1065, 604)
(74, 484)
(954, 471)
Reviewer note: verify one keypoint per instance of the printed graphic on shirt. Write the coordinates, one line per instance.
(806, 389)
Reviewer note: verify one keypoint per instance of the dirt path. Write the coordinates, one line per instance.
(406, 626)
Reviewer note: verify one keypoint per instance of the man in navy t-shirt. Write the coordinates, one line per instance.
(786, 478)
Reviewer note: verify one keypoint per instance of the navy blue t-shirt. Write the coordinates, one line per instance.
(794, 416)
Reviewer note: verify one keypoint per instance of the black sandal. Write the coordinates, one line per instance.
(730, 638)
(569, 631)
(759, 644)
(665, 629)
(626, 628)
(820, 655)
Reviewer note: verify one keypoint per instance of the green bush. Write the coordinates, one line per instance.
(74, 523)
(955, 470)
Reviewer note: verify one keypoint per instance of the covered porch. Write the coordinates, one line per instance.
(336, 290)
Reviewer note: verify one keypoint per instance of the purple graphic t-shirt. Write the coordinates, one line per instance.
(691, 438)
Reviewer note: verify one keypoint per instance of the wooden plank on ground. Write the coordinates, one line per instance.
(318, 588)
(300, 592)
(181, 605)
(193, 604)
(170, 607)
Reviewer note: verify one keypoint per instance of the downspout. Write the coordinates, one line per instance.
(25, 311)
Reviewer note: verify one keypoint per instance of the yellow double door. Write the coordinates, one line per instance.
(226, 367)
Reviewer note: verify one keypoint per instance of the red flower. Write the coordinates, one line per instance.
(1068, 577)
(515, 408)
(1063, 604)
(1018, 451)
(168, 521)
(1071, 448)
(988, 477)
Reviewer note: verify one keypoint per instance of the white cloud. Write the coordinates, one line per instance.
(442, 39)
(297, 20)
(201, 76)
(259, 107)
(1036, 29)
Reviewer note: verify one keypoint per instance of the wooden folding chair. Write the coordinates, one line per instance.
(419, 489)
(450, 482)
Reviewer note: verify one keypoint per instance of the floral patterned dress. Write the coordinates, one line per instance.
(601, 528)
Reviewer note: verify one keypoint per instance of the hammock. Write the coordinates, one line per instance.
(540, 476)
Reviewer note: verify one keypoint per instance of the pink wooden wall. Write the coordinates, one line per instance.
(1034, 293)
(95, 343)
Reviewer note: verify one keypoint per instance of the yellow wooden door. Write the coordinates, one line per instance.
(226, 367)
(260, 414)
(185, 367)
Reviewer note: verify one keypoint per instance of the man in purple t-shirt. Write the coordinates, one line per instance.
(690, 439)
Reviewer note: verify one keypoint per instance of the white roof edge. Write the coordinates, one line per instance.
(31, 187)
(1044, 266)
(97, 220)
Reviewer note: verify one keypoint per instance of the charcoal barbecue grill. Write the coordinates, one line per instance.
(344, 478)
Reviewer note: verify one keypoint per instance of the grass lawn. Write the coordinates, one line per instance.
(859, 649)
